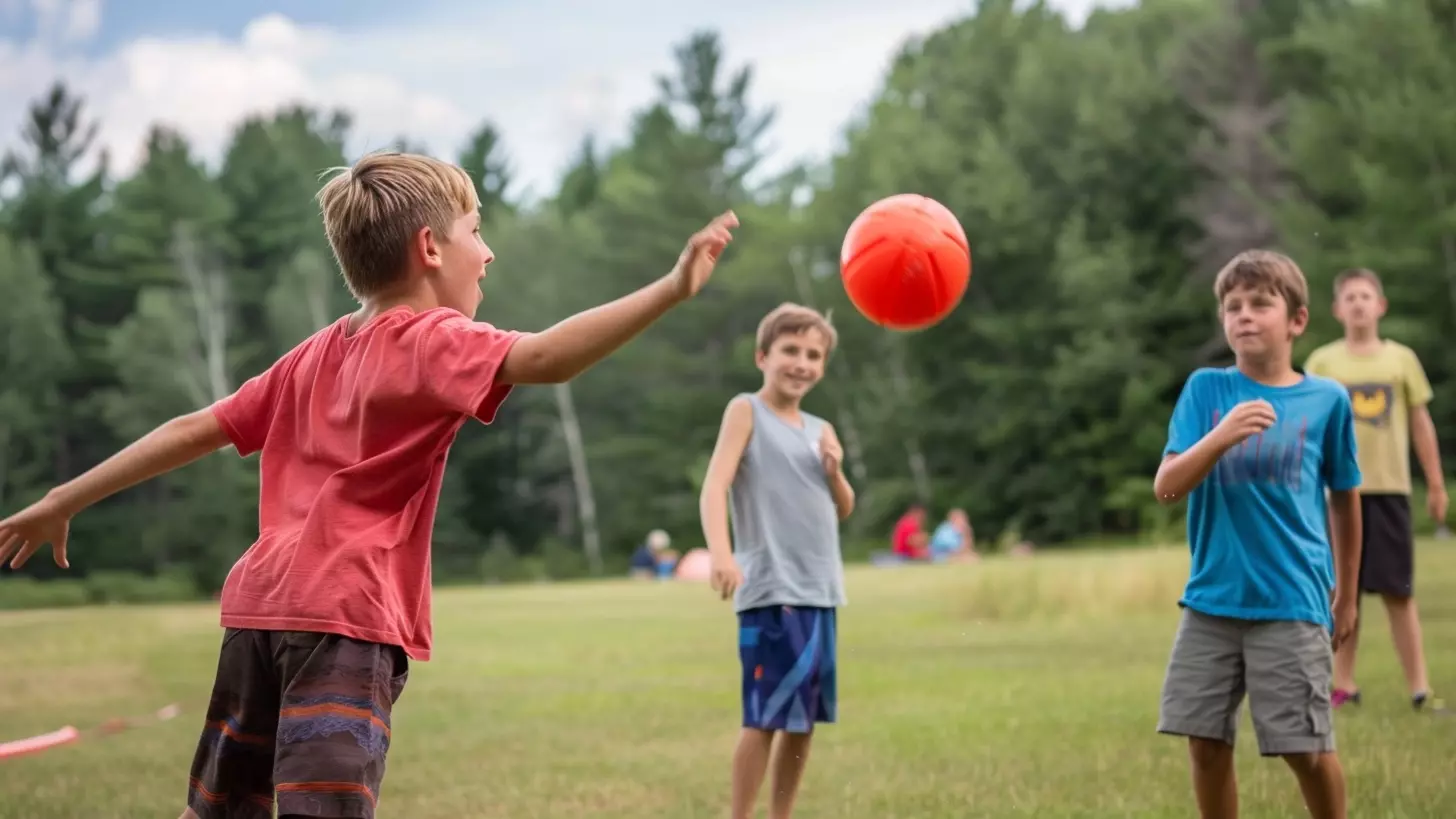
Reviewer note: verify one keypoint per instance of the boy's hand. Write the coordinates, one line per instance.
(831, 452)
(726, 578)
(23, 533)
(1437, 503)
(1244, 420)
(696, 263)
(1345, 616)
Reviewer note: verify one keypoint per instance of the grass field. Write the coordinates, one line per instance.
(1017, 689)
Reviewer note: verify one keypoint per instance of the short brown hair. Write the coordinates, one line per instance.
(372, 211)
(1359, 273)
(1263, 270)
(789, 319)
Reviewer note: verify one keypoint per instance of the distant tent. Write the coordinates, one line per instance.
(697, 564)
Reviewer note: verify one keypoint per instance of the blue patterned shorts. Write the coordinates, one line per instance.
(788, 656)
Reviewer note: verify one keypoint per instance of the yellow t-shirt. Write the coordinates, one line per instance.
(1383, 386)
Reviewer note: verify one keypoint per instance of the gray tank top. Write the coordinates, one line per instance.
(785, 527)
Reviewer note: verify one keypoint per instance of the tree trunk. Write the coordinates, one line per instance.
(207, 287)
(586, 504)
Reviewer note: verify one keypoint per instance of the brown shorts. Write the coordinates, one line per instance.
(300, 714)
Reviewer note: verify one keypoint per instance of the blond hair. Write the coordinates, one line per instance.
(373, 210)
(789, 319)
(1266, 271)
(1355, 273)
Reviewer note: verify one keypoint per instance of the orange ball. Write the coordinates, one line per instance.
(905, 262)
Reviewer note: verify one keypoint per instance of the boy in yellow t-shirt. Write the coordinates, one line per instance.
(1389, 393)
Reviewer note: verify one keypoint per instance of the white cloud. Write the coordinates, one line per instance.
(203, 87)
(546, 73)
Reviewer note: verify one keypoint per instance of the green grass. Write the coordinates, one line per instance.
(1016, 689)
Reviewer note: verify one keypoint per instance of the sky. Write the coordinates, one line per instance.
(547, 72)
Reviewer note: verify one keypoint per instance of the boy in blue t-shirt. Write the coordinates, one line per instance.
(1254, 447)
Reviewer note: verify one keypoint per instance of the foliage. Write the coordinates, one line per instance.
(1103, 174)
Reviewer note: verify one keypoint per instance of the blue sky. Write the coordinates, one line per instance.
(546, 72)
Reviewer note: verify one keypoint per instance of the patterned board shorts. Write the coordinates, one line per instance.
(789, 668)
(301, 715)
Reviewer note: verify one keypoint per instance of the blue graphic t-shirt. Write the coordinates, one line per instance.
(1256, 524)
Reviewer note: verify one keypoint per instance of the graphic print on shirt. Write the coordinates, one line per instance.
(1274, 456)
(1373, 403)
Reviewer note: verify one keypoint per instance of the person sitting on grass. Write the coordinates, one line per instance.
(953, 540)
(908, 540)
(654, 558)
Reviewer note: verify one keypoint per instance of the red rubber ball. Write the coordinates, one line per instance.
(905, 262)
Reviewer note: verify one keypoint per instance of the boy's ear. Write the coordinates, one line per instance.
(1300, 320)
(426, 247)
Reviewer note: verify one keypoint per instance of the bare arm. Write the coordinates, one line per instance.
(1428, 450)
(1345, 529)
(832, 456)
(727, 453)
(170, 446)
(843, 494)
(1181, 472)
(572, 346)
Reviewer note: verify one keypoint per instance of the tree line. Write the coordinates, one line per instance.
(1103, 173)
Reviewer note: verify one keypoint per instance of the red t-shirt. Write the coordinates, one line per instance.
(354, 432)
(905, 528)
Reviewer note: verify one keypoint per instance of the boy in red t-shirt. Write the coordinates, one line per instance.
(324, 612)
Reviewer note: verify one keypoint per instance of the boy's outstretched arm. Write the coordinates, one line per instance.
(713, 501)
(570, 347)
(174, 444)
(1345, 533)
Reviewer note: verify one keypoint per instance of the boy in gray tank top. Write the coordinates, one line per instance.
(778, 470)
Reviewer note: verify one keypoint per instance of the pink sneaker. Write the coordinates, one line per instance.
(1340, 696)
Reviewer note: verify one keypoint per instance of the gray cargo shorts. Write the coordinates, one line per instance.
(1285, 666)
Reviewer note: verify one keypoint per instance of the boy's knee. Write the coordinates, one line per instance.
(1396, 602)
(1210, 753)
(1307, 763)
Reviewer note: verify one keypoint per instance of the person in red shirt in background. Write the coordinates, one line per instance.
(909, 541)
(323, 613)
